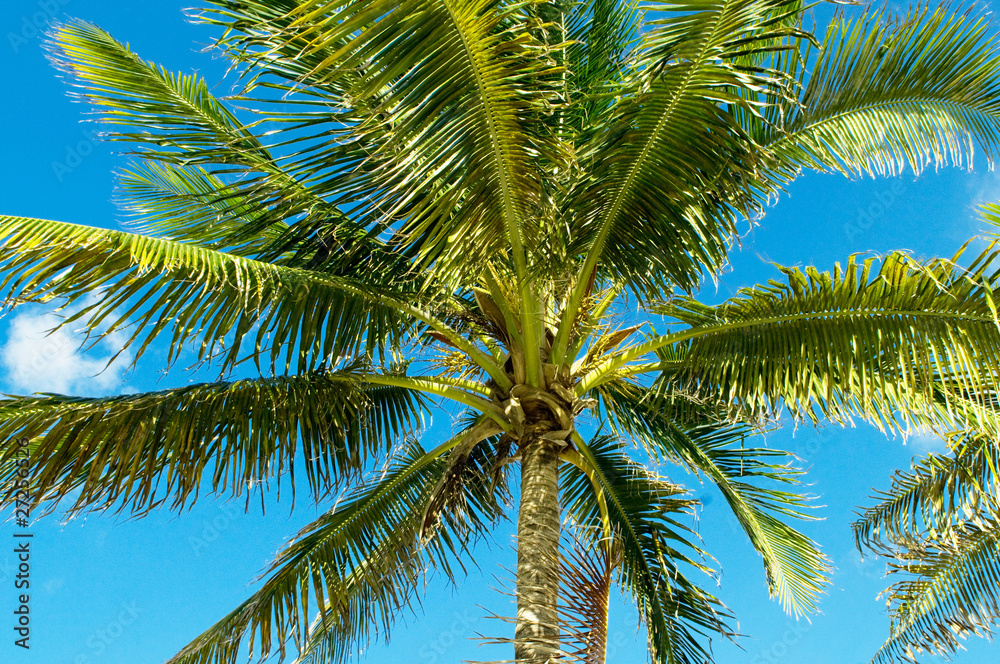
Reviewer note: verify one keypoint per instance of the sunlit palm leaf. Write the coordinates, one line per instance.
(898, 342)
(193, 294)
(939, 490)
(443, 114)
(168, 115)
(749, 479)
(172, 117)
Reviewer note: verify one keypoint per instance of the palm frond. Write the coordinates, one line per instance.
(138, 451)
(939, 491)
(439, 133)
(951, 592)
(797, 572)
(361, 563)
(654, 208)
(173, 119)
(199, 295)
(904, 344)
(600, 35)
(168, 115)
(886, 93)
(937, 527)
(654, 548)
(189, 204)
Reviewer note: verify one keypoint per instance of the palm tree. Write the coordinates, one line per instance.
(435, 201)
(938, 526)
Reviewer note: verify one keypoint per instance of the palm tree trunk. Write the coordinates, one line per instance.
(537, 630)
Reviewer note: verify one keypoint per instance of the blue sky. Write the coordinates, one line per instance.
(107, 590)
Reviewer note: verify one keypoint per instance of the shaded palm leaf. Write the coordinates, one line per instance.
(360, 563)
(191, 205)
(140, 450)
(937, 527)
(654, 548)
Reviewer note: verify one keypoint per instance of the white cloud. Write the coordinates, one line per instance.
(925, 441)
(35, 360)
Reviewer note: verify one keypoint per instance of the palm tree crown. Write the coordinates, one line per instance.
(432, 200)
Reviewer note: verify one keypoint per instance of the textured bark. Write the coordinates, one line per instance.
(537, 631)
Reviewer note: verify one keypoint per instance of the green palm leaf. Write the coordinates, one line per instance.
(360, 562)
(191, 205)
(140, 450)
(448, 109)
(937, 527)
(886, 93)
(174, 119)
(797, 572)
(170, 115)
(653, 548)
(201, 295)
(600, 34)
(654, 207)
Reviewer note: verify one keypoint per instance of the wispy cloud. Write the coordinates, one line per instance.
(36, 359)
(926, 442)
